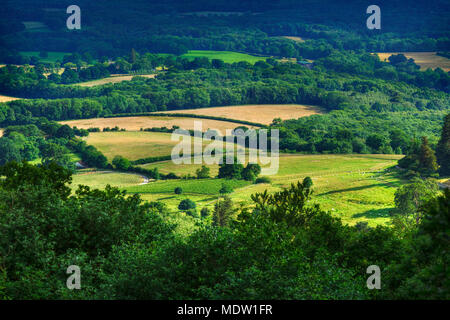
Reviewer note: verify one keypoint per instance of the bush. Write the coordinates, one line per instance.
(192, 212)
(186, 204)
(121, 163)
(178, 190)
(204, 213)
(225, 189)
(262, 180)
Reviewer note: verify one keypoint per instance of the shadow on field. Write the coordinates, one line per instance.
(374, 213)
(166, 198)
(386, 184)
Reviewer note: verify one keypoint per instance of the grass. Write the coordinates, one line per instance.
(191, 186)
(353, 187)
(424, 59)
(181, 170)
(99, 180)
(53, 56)
(226, 56)
(133, 145)
(263, 114)
(294, 38)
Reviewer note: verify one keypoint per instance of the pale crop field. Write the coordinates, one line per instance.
(424, 59)
(133, 145)
(112, 79)
(100, 179)
(297, 39)
(136, 123)
(7, 98)
(263, 114)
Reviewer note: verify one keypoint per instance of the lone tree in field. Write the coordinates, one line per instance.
(178, 190)
(443, 148)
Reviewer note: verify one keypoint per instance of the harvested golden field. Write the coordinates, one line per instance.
(263, 114)
(424, 59)
(112, 79)
(136, 123)
(6, 98)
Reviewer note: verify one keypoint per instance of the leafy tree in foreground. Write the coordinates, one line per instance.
(422, 272)
(409, 200)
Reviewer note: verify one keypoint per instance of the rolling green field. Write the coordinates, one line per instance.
(99, 179)
(52, 55)
(352, 187)
(226, 56)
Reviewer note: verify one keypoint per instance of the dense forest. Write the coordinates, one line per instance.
(367, 111)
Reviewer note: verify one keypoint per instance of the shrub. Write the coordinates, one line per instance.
(204, 213)
(178, 190)
(186, 204)
(121, 163)
(262, 180)
(192, 212)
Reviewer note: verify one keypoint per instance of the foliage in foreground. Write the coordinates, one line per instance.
(284, 248)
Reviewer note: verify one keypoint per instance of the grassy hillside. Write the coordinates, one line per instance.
(353, 187)
(132, 145)
(226, 56)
